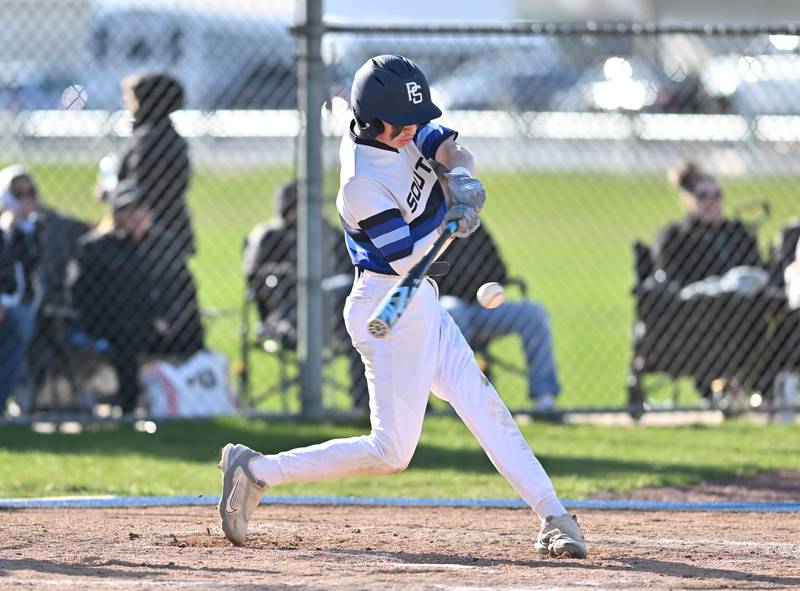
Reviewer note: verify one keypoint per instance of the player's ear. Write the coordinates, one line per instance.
(369, 130)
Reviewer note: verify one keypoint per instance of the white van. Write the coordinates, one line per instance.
(224, 61)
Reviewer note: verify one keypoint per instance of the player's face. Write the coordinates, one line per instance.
(397, 136)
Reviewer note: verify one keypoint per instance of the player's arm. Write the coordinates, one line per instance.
(439, 143)
(462, 187)
(455, 156)
(465, 194)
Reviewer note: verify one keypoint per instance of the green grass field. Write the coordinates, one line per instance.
(582, 460)
(568, 235)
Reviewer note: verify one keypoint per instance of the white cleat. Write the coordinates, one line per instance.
(241, 491)
(561, 537)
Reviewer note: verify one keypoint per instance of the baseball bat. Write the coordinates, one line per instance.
(396, 301)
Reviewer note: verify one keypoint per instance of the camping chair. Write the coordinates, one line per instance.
(675, 338)
(276, 334)
(68, 369)
(715, 340)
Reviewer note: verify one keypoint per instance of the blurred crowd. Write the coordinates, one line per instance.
(118, 287)
(120, 290)
(710, 306)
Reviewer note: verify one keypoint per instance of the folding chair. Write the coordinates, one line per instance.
(277, 335)
(715, 340)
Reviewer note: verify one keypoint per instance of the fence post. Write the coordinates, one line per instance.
(309, 247)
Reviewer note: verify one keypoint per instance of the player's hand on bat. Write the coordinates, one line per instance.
(465, 189)
(465, 216)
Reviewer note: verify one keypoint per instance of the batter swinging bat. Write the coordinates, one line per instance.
(396, 301)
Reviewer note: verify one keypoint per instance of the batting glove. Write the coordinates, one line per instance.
(466, 189)
(465, 216)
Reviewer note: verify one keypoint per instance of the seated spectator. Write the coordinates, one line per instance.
(476, 261)
(707, 332)
(155, 157)
(270, 267)
(19, 240)
(792, 280)
(704, 242)
(56, 238)
(8, 277)
(9, 333)
(783, 351)
(131, 287)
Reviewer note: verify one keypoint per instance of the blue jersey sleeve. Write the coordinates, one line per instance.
(375, 223)
(430, 136)
(389, 233)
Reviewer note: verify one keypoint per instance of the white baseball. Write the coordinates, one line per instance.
(491, 295)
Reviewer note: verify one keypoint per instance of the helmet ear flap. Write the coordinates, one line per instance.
(369, 130)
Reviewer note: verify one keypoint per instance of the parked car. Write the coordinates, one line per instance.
(519, 78)
(633, 83)
(764, 84)
(24, 87)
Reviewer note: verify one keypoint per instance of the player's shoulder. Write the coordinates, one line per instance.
(358, 187)
(435, 129)
(432, 135)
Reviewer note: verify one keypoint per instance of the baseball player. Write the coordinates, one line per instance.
(393, 207)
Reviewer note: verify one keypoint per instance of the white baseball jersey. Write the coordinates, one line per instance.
(390, 201)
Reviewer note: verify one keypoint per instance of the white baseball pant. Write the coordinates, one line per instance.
(425, 351)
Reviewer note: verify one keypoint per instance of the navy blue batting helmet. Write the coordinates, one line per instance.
(392, 89)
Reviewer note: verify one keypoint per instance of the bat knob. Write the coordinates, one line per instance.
(378, 328)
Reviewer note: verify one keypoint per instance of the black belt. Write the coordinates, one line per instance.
(360, 271)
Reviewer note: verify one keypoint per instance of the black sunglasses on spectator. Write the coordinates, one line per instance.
(26, 193)
(703, 195)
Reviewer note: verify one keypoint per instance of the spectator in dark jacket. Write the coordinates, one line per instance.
(156, 157)
(712, 336)
(8, 334)
(704, 242)
(43, 241)
(19, 241)
(474, 262)
(8, 276)
(132, 287)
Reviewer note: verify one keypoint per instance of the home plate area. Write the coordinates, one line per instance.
(404, 548)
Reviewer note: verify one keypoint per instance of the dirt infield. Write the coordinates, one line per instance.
(324, 547)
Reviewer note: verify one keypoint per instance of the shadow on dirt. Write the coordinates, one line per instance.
(90, 567)
(664, 568)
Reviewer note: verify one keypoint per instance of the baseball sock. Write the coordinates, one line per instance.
(267, 469)
(549, 505)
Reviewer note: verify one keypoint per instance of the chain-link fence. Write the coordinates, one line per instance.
(641, 191)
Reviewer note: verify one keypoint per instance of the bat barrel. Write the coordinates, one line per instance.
(394, 304)
(378, 328)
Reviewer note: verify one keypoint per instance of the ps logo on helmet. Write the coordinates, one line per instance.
(414, 92)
